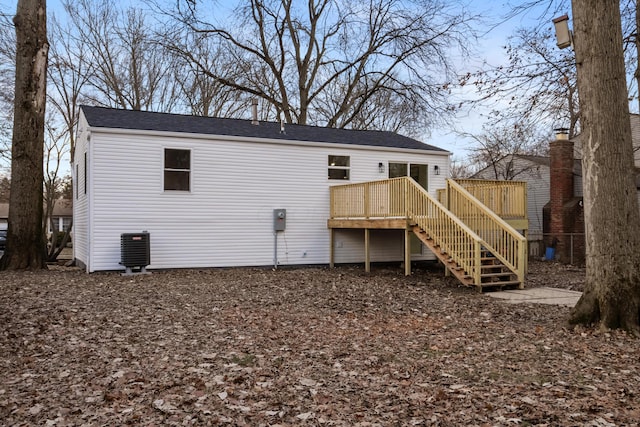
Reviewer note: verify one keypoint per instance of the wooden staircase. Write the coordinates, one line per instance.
(493, 272)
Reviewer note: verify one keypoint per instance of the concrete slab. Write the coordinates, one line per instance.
(553, 296)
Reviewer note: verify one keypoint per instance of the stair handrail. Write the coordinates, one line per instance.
(501, 239)
(448, 232)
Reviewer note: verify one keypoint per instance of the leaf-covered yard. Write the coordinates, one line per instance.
(308, 346)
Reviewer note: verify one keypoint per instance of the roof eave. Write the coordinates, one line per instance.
(121, 131)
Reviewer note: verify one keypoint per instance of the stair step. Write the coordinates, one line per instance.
(501, 284)
(493, 272)
(501, 274)
(496, 266)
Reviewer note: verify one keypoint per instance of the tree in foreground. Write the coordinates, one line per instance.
(25, 237)
(612, 292)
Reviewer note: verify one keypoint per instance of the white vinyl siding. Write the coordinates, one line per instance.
(81, 232)
(227, 217)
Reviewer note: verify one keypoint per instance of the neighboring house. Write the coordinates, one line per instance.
(61, 216)
(561, 222)
(534, 170)
(205, 189)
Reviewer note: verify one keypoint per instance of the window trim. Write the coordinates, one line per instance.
(334, 167)
(165, 169)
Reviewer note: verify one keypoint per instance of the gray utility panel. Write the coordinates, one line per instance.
(279, 219)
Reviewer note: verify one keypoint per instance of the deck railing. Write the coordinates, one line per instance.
(506, 243)
(507, 199)
(402, 197)
(373, 199)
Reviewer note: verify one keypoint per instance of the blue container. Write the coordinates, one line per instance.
(550, 254)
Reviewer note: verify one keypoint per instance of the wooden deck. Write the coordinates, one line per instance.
(474, 243)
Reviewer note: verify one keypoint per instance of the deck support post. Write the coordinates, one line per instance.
(407, 251)
(332, 251)
(367, 252)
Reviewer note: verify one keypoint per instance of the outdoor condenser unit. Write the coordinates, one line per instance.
(135, 251)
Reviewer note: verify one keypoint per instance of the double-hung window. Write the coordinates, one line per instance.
(177, 169)
(339, 167)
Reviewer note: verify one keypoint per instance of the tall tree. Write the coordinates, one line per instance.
(128, 69)
(538, 81)
(497, 147)
(612, 291)
(69, 72)
(325, 62)
(200, 94)
(25, 238)
(538, 84)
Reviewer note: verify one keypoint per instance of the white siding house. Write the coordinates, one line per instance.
(205, 188)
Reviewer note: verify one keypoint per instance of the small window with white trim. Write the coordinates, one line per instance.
(177, 169)
(339, 167)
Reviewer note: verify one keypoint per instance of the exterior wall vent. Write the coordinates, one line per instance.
(135, 251)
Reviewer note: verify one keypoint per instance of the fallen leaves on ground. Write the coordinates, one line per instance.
(304, 346)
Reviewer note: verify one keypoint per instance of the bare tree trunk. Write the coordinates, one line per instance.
(636, 74)
(612, 292)
(25, 239)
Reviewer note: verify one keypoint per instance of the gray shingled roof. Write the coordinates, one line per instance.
(100, 117)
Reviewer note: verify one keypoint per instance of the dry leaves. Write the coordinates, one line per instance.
(256, 347)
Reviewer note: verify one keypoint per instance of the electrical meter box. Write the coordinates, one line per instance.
(279, 219)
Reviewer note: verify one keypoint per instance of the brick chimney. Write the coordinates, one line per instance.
(561, 189)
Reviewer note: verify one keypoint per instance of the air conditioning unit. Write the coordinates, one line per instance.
(135, 251)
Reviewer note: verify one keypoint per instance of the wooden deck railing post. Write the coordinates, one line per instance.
(522, 263)
(367, 188)
(332, 250)
(407, 252)
(407, 202)
(332, 209)
(367, 253)
(477, 262)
